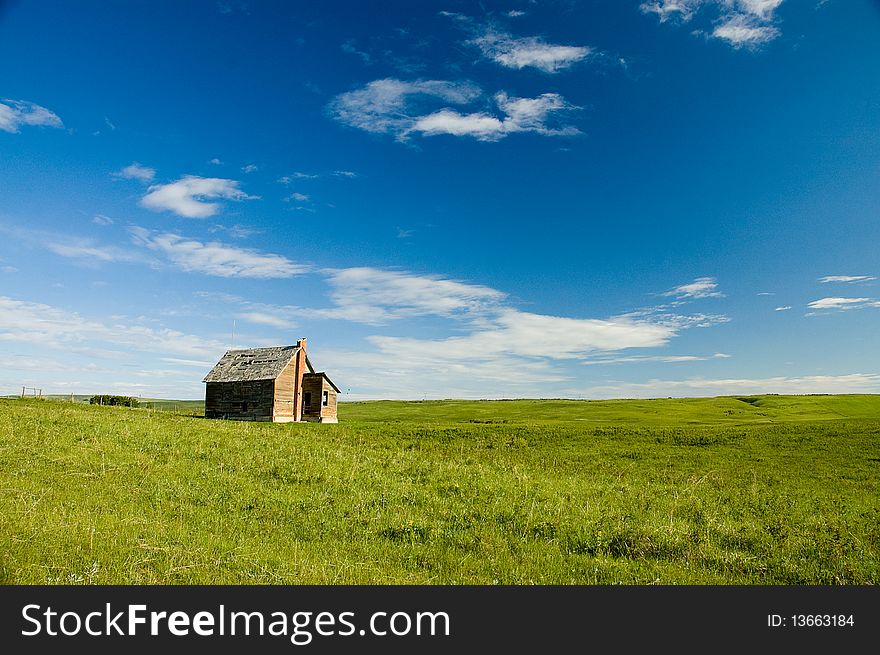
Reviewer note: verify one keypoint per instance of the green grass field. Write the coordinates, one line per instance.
(751, 490)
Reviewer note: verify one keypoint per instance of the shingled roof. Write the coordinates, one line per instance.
(253, 364)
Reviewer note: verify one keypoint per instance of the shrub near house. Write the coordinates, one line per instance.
(120, 401)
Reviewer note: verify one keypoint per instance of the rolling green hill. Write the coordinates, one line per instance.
(661, 411)
(752, 490)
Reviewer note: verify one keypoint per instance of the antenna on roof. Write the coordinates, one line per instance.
(233, 335)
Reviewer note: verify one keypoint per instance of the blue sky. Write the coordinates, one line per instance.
(451, 199)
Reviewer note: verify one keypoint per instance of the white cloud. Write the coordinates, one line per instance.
(515, 13)
(215, 161)
(702, 287)
(446, 121)
(299, 197)
(235, 231)
(185, 197)
(512, 52)
(846, 278)
(374, 296)
(492, 345)
(693, 387)
(287, 179)
(387, 105)
(250, 168)
(843, 303)
(377, 297)
(534, 336)
(265, 318)
(742, 31)
(45, 326)
(92, 253)
(197, 363)
(216, 258)
(532, 114)
(511, 354)
(740, 23)
(784, 308)
(663, 359)
(519, 115)
(16, 113)
(100, 219)
(760, 8)
(135, 171)
(666, 9)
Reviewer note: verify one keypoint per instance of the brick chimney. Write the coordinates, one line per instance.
(298, 372)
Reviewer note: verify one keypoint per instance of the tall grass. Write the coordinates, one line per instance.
(458, 493)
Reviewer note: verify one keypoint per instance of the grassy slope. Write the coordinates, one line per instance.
(661, 411)
(771, 490)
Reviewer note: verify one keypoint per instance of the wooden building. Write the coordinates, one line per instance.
(270, 384)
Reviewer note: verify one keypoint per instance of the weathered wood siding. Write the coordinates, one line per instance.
(284, 389)
(245, 401)
(314, 387)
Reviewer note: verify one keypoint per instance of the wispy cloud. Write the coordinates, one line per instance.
(398, 108)
(299, 175)
(524, 334)
(101, 219)
(17, 113)
(250, 168)
(92, 253)
(186, 197)
(784, 308)
(389, 105)
(266, 318)
(846, 278)
(135, 171)
(513, 52)
(515, 354)
(740, 23)
(375, 296)
(673, 9)
(744, 31)
(235, 231)
(350, 48)
(287, 179)
(518, 52)
(843, 303)
(663, 359)
(851, 383)
(215, 258)
(519, 115)
(51, 327)
(702, 287)
(487, 340)
(297, 197)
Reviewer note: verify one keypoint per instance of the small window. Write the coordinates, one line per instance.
(307, 399)
(325, 398)
(243, 408)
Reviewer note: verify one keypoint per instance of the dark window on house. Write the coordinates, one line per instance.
(325, 398)
(307, 399)
(243, 407)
